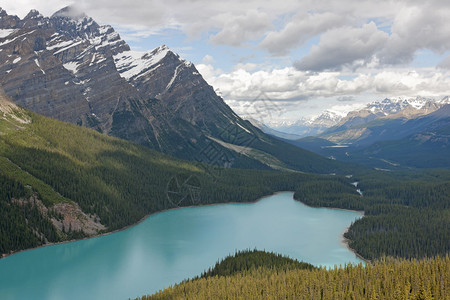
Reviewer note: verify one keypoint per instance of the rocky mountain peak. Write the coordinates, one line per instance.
(163, 47)
(394, 108)
(70, 13)
(74, 24)
(33, 14)
(328, 118)
(71, 68)
(7, 21)
(395, 105)
(444, 101)
(84, 73)
(33, 20)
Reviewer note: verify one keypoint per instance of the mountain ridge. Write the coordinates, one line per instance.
(390, 108)
(76, 70)
(330, 121)
(61, 182)
(395, 133)
(360, 127)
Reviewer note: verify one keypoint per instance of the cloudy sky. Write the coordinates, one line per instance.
(300, 56)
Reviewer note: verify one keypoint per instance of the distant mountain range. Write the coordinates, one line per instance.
(394, 108)
(305, 126)
(69, 67)
(353, 129)
(420, 142)
(387, 134)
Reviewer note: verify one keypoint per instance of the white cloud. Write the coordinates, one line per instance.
(412, 24)
(418, 27)
(289, 84)
(296, 93)
(344, 46)
(208, 59)
(412, 83)
(22, 7)
(247, 66)
(134, 33)
(344, 109)
(208, 71)
(238, 29)
(379, 39)
(296, 32)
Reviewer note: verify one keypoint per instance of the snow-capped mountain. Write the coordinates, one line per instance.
(400, 107)
(69, 67)
(327, 119)
(396, 105)
(304, 126)
(388, 134)
(382, 120)
(392, 108)
(389, 108)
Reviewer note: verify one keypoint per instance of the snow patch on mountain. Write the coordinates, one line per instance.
(175, 74)
(10, 41)
(394, 105)
(68, 47)
(60, 45)
(387, 108)
(6, 32)
(72, 67)
(132, 63)
(36, 61)
(444, 101)
(328, 118)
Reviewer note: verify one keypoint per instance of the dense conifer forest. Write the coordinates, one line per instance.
(63, 182)
(386, 278)
(406, 214)
(17, 220)
(119, 182)
(246, 260)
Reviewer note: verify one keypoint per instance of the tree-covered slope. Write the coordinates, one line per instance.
(406, 214)
(429, 148)
(384, 279)
(61, 181)
(246, 260)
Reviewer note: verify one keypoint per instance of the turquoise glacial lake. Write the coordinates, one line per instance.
(171, 246)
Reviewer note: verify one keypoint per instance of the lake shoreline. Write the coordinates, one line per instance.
(132, 225)
(344, 241)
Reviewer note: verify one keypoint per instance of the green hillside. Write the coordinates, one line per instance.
(407, 214)
(384, 279)
(253, 259)
(61, 181)
(427, 149)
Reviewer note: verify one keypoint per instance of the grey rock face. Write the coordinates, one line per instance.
(71, 68)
